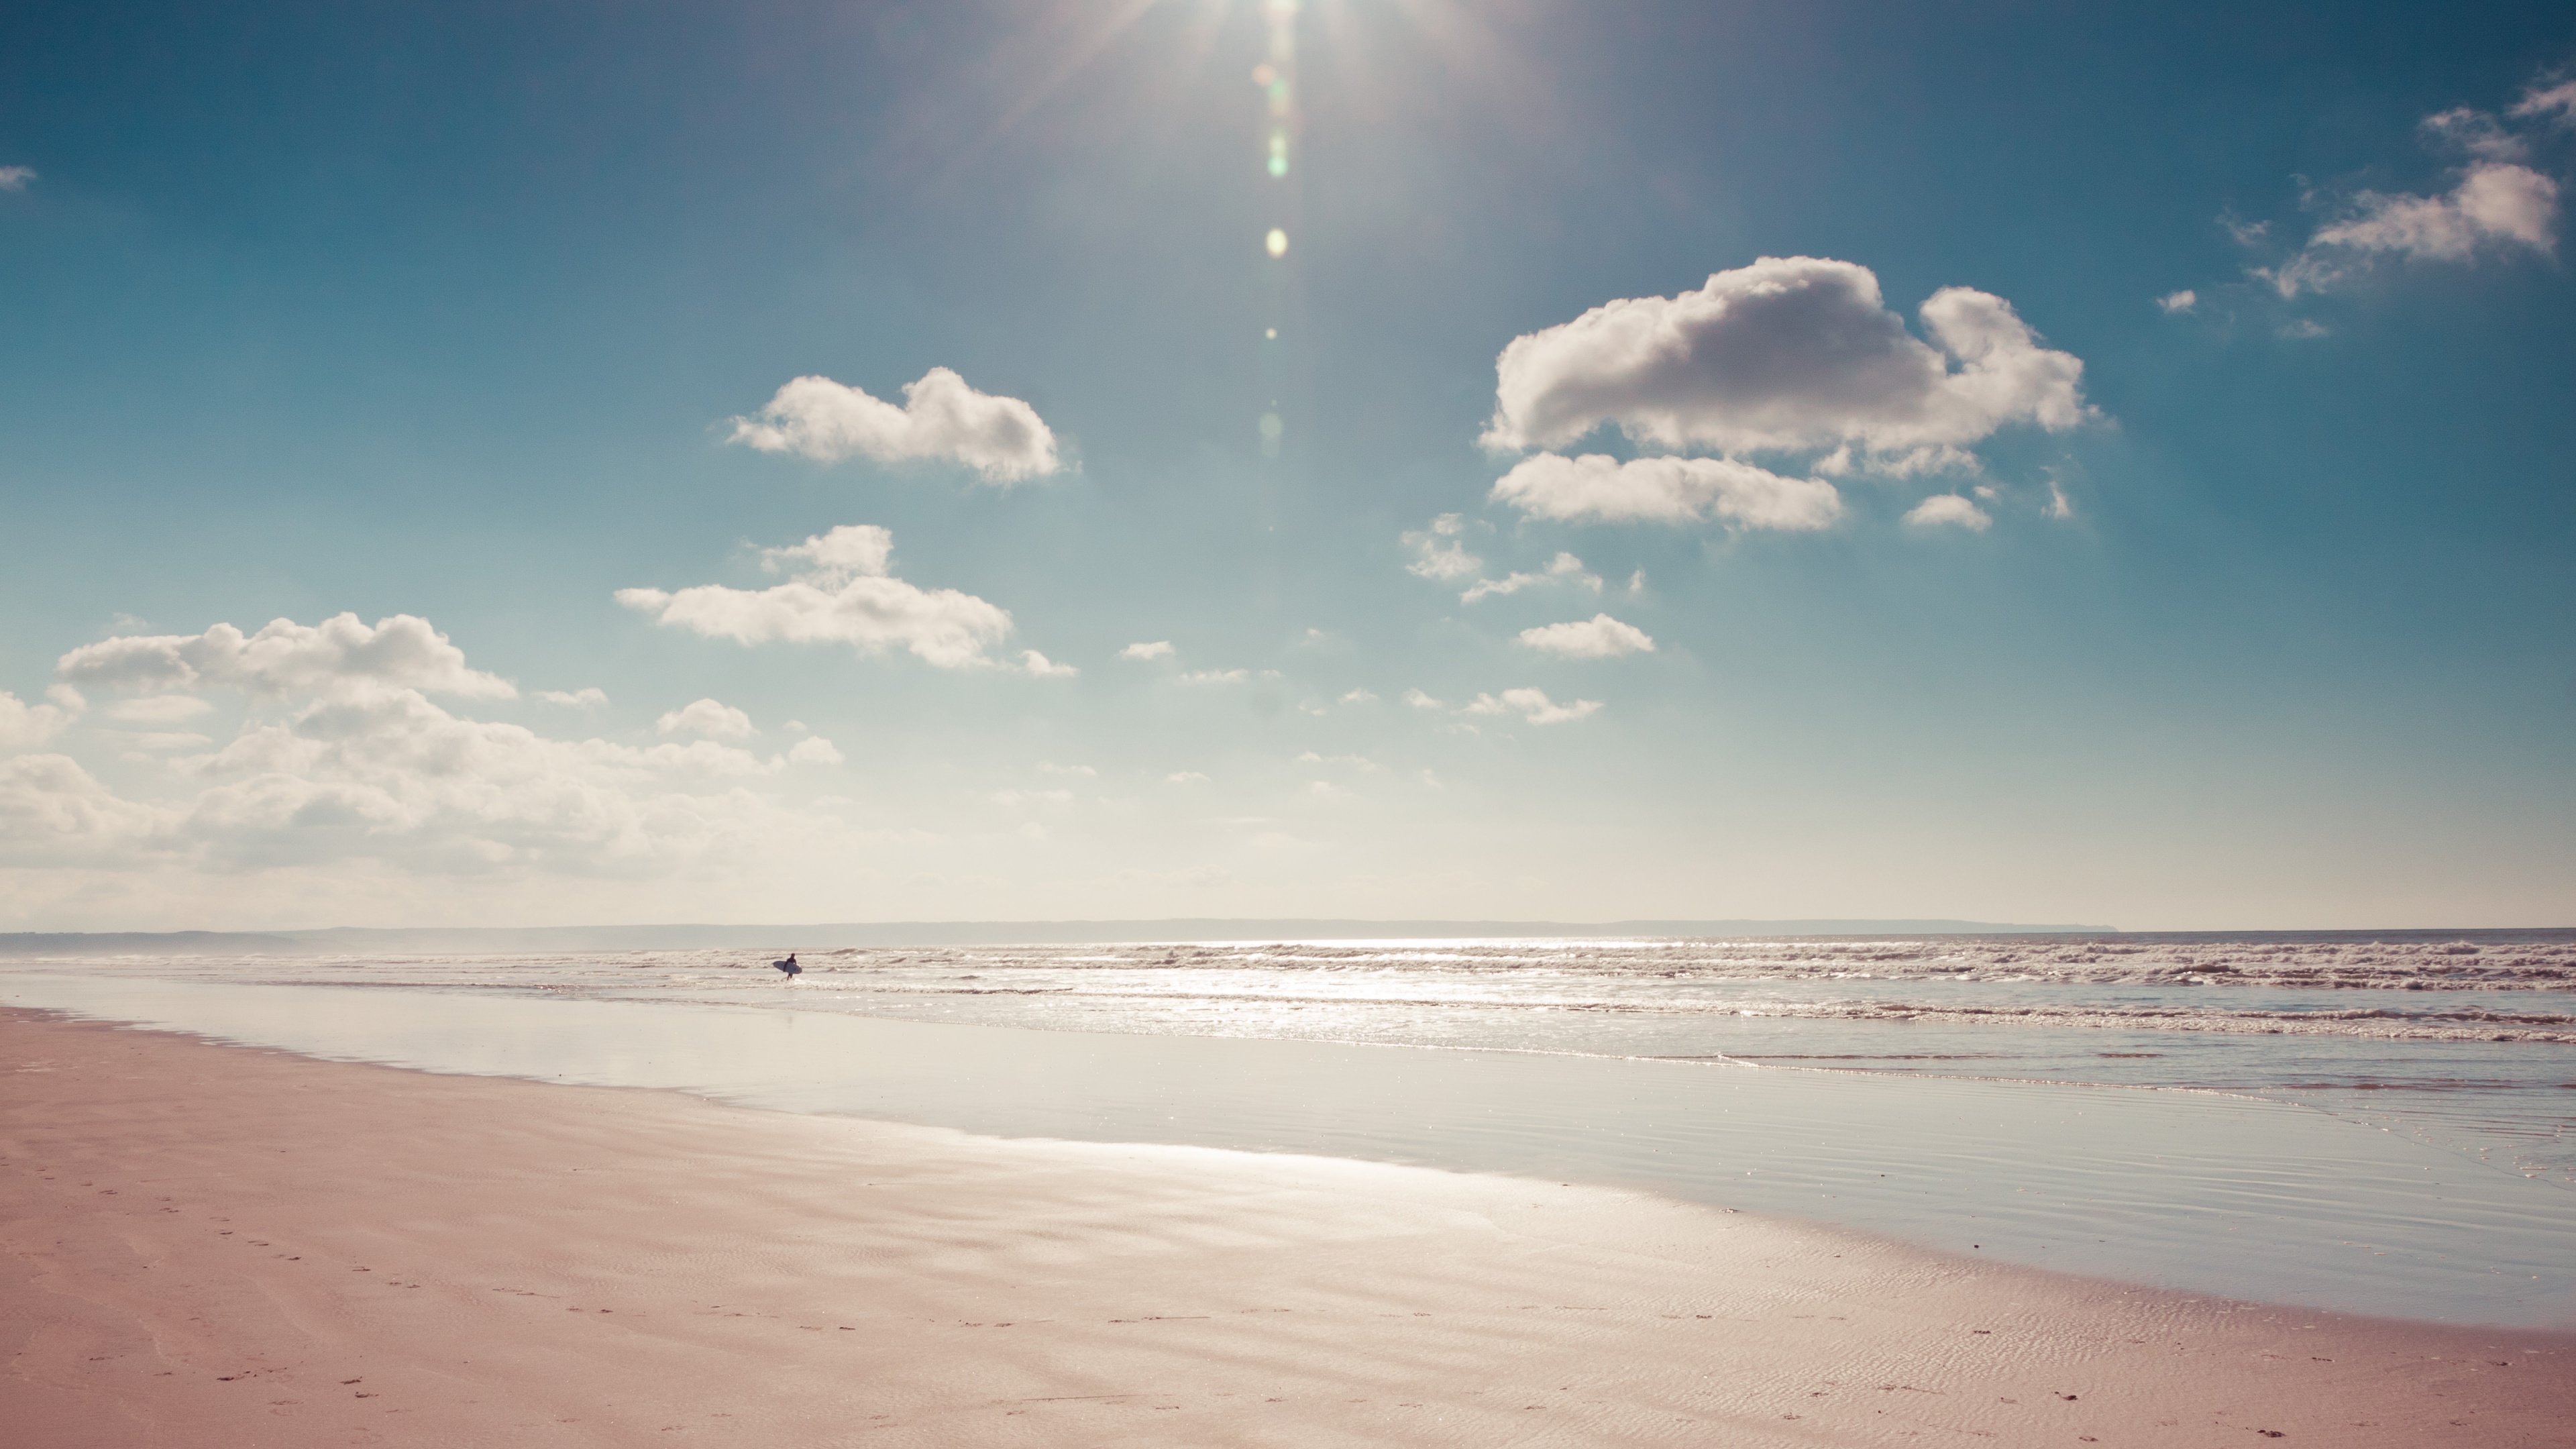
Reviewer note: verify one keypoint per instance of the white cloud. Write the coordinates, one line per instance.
(1185, 777)
(1667, 490)
(841, 594)
(1358, 696)
(707, 717)
(850, 551)
(1790, 353)
(1159, 649)
(1565, 568)
(2182, 301)
(2497, 203)
(1600, 637)
(1420, 700)
(1215, 676)
(346, 764)
(1532, 705)
(591, 698)
(15, 178)
(2057, 507)
(1438, 553)
(942, 418)
(1045, 668)
(52, 813)
(813, 750)
(2545, 100)
(24, 726)
(1049, 768)
(335, 656)
(1310, 757)
(1949, 509)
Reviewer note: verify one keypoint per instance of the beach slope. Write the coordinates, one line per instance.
(213, 1246)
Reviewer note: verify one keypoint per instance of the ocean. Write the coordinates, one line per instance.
(2376, 1121)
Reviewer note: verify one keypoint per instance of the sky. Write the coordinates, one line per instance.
(486, 464)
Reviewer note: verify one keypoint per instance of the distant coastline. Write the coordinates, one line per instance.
(482, 940)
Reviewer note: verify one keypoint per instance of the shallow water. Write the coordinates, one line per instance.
(2463, 1039)
(2192, 1190)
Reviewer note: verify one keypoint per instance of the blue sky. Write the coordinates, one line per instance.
(2209, 570)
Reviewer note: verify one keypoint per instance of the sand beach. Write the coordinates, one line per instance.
(215, 1245)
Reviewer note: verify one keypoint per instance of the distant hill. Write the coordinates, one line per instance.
(498, 940)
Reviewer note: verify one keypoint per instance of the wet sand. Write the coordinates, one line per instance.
(217, 1246)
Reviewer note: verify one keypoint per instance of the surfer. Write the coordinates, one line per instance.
(789, 966)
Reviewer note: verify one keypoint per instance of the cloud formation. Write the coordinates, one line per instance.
(15, 178)
(346, 758)
(24, 726)
(1949, 510)
(841, 592)
(1667, 490)
(1565, 568)
(707, 717)
(1599, 637)
(1157, 649)
(942, 419)
(1788, 354)
(2498, 204)
(335, 656)
(1532, 705)
(1439, 553)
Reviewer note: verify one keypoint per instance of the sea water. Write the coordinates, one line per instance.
(2380, 1123)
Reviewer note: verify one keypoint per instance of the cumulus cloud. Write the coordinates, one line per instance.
(2182, 301)
(1944, 510)
(335, 656)
(707, 717)
(1420, 700)
(53, 813)
(1667, 490)
(1215, 676)
(1185, 777)
(840, 592)
(1599, 637)
(2498, 204)
(24, 726)
(1788, 354)
(1045, 668)
(1565, 568)
(591, 698)
(345, 759)
(1361, 695)
(1159, 649)
(1438, 552)
(1532, 705)
(2495, 203)
(157, 709)
(942, 419)
(15, 178)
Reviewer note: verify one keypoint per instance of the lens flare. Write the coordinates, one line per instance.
(1276, 79)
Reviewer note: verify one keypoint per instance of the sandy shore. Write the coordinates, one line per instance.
(214, 1246)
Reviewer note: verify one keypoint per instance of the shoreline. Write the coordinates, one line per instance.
(204, 1241)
